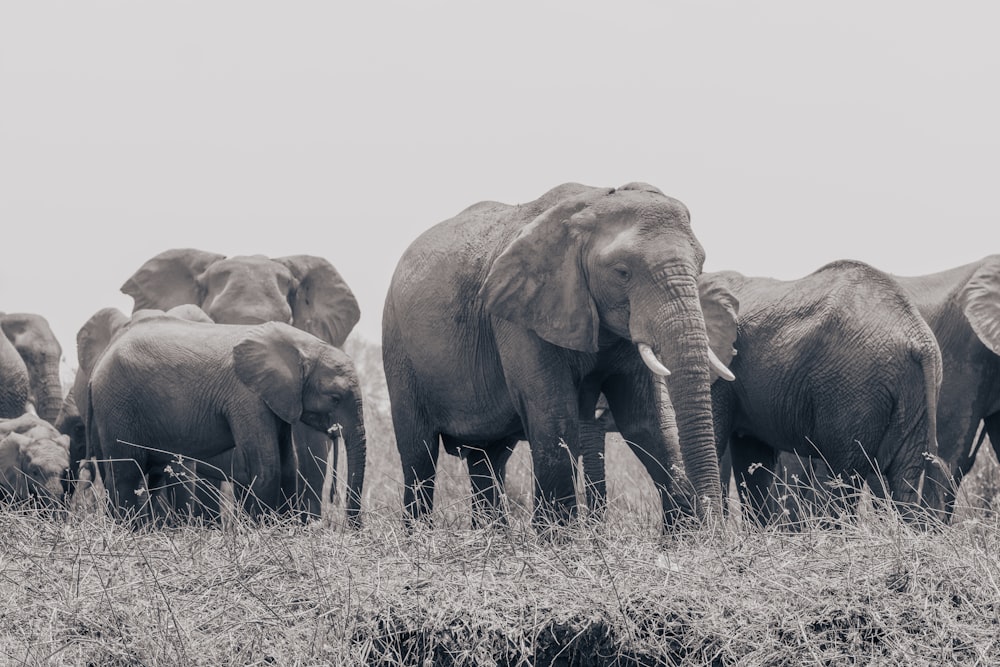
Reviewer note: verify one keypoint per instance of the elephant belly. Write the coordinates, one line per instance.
(165, 437)
(480, 427)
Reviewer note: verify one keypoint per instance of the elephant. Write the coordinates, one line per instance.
(302, 290)
(92, 340)
(41, 353)
(34, 458)
(226, 396)
(506, 322)
(839, 365)
(962, 308)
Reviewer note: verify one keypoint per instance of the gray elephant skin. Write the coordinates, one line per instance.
(305, 291)
(962, 307)
(837, 365)
(92, 340)
(226, 396)
(506, 322)
(36, 356)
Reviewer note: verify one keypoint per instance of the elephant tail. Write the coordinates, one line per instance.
(936, 478)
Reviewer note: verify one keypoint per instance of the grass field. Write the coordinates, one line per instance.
(79, 589)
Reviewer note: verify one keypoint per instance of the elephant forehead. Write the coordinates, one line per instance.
(254, 271)
(48, 455)
(645, 205)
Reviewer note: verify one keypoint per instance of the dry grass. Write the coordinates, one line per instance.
(80, 589)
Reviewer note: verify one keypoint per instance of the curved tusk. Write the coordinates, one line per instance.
(719, 367)
(649, 358)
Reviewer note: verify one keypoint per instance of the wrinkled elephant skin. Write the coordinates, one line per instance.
(508, 321)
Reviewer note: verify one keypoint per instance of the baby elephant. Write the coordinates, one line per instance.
(34, 459)
(224, 396)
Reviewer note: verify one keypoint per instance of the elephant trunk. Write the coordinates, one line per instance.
(356, 448)
(48, 393)
(677, 335)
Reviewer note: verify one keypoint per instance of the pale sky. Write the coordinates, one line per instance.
(796, 133)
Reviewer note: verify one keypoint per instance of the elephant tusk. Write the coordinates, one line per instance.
(719, 367)
(649, 358)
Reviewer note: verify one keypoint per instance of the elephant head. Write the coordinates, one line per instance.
(34, 458)
(603, 263)
(303, 379)
(302, 290)
(37, 345)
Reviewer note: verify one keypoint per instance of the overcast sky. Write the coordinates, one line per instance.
(797, 133)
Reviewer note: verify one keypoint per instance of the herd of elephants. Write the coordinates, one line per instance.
(553, 321)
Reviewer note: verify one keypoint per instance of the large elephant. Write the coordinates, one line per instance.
(506, 322)
(837, 365)
(37, 346)
(225, 396)
(302, 290)
(962, 307)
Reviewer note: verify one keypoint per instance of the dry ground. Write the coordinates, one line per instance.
(79, 589)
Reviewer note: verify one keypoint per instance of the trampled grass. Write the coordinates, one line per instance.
(80, 589)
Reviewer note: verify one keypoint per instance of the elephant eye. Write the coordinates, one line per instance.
(623, 273)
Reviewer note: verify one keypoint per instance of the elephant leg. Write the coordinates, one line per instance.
(126, 484)
(806, 488)
(552, 462)
(903, 482)
(592, 448)
(487, 469)
(418, 454)
(593, 428)
(417, 440)
(162, 499)
(256, 466)
(546, 398)
(642, 411)
(753, 467)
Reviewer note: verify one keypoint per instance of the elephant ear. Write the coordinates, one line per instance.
(95, 336)
(721, 310)
(271, 360)
(538, 280)
(981, 297)
(322, 304)
(169, 279)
